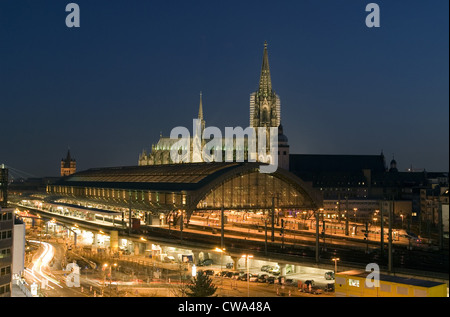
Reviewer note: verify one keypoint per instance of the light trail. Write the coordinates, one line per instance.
(41, 262)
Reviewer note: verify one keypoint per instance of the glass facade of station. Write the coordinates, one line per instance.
(254, 190)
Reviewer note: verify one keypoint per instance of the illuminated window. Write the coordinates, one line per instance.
(352, 282)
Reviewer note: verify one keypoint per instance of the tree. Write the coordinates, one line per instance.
(201, 286)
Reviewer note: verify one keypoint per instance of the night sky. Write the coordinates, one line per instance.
(136, 68)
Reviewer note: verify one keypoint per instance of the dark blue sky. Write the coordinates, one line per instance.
(135, 68)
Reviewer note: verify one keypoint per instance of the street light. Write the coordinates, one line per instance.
(247, 257)
(335, 265)
(221, 251)
(110, 275)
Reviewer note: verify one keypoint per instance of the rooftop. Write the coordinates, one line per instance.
(171, 177)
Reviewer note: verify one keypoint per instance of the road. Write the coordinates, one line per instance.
(46, 270)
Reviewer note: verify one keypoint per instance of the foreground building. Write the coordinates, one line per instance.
(6, 235)
(3, 186)
(353, 284)
(6, 245)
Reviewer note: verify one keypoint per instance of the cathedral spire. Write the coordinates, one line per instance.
(68, 158)
(265, 82)
(200, 108)
(265, 105)
(200, 113)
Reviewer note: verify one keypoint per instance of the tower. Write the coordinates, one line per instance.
(68, 165)
(393, 166)
(265, 111)
(265, 104)
(283, 149)
(197, 140)
(200, 113)
(3, 186)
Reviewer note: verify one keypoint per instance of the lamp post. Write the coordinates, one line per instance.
(110, 275)
(104, 278)
(335, 265)
(221, 251)
(247, 257)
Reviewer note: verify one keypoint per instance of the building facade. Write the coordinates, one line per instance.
(6, 246)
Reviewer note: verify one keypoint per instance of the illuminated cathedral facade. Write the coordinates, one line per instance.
(265, 112)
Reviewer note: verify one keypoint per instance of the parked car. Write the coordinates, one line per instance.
(229, 274)
(275, 271)
(229, 265)
(206, 262)
(236, 275)
(330, 287)
(266, 268)
(209, 272)
(262, 278)
(243, 277)
(271, 279)
(221, 273)
(290, 282)
(253, 277)
(329, 275)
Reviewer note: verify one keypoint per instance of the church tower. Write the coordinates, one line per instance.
(265, 104)
(68, 165)
(283, 149)
(200, 113)
(265, 112)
